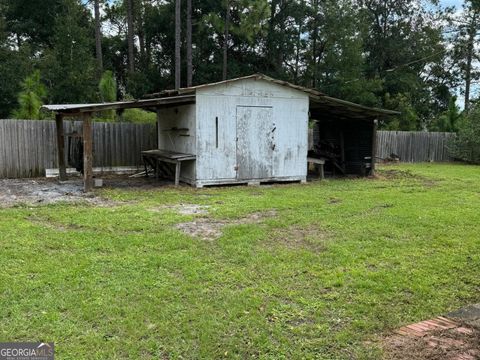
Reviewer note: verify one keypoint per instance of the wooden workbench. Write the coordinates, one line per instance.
(320, 162)
(154, 157)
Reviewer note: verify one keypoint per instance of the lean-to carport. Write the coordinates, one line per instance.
(345, 133)
(84, 113)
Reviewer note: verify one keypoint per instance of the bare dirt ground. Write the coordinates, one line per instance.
(210, 229)
(31, 192)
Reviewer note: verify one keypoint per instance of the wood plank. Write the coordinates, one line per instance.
(60, 147)
(87, 152)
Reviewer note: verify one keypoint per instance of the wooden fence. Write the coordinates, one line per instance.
(28, 147)
(414, 146)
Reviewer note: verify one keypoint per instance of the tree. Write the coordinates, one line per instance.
(225, 38)
(108, 91)
(466, 146)
(189, 44)
(30, 99)
(464, 53)
(130, 37)
(403, 43)
(450, 120)
(69, 65)
(178, 44)
(98, 36)
(15, 65)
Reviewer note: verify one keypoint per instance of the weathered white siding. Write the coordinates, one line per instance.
(218, 155)
(170, 137)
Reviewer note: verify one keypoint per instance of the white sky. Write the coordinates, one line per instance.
(457, 3)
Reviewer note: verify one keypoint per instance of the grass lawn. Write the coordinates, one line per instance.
(334, 267)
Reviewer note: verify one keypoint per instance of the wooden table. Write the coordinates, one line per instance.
(154, 157)
(318, 161)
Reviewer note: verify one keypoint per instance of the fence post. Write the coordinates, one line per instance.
(87, 153)
(61, 147)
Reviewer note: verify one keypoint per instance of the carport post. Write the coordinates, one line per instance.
(374, 146)
(87, 152)
(60, 147)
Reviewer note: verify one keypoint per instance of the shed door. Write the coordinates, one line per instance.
(255, 142)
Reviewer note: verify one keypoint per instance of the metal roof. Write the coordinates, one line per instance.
(71, 109)
(320, 104)
(192, 89)
(318, 100)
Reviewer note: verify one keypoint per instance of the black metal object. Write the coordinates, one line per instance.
(75, 151)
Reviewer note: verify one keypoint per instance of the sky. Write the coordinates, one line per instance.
(457, 3)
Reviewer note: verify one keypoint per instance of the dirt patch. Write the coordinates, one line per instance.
(184, 209)
(462, 343)
(300, 237)
(333, 201)
(47, 223)
(38, 191)
(395, 174)
(211, 229)
(34, 192)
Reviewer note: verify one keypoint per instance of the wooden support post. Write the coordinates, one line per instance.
(61, 147)
(178, 167)
(87, 152)
(158, 128)
(342, 149)
(374, 146)
(322, 172)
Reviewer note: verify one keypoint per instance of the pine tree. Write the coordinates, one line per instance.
(30, 98)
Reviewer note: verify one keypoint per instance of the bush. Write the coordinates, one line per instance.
(138, 116)
(466, 146)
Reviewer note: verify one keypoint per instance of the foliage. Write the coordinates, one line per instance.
(30, 98)
(108, 87)
(464, 52)
(138, 116)
(467, 143)
(69, 64)
(339, 264)
(407, 120)
(404, 55)
(108, 92)
(450, 119)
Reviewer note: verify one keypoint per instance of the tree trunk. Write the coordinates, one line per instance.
(98, 37)
(298, 45)
(314, 44)
(468, 71)
(271, 34)
(140, 26)
(189, 44)
(178, 34)
(281, 22)
(225, 39)
(130, 37)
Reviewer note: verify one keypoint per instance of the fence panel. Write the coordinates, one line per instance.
(28, 147)
(414, 146)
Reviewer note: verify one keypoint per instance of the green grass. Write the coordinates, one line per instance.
(122, 282)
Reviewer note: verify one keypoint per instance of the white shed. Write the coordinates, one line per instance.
(246, 130)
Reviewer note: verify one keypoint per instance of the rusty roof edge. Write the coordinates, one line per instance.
(116, 105)
(257, 76)
(355, 105)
